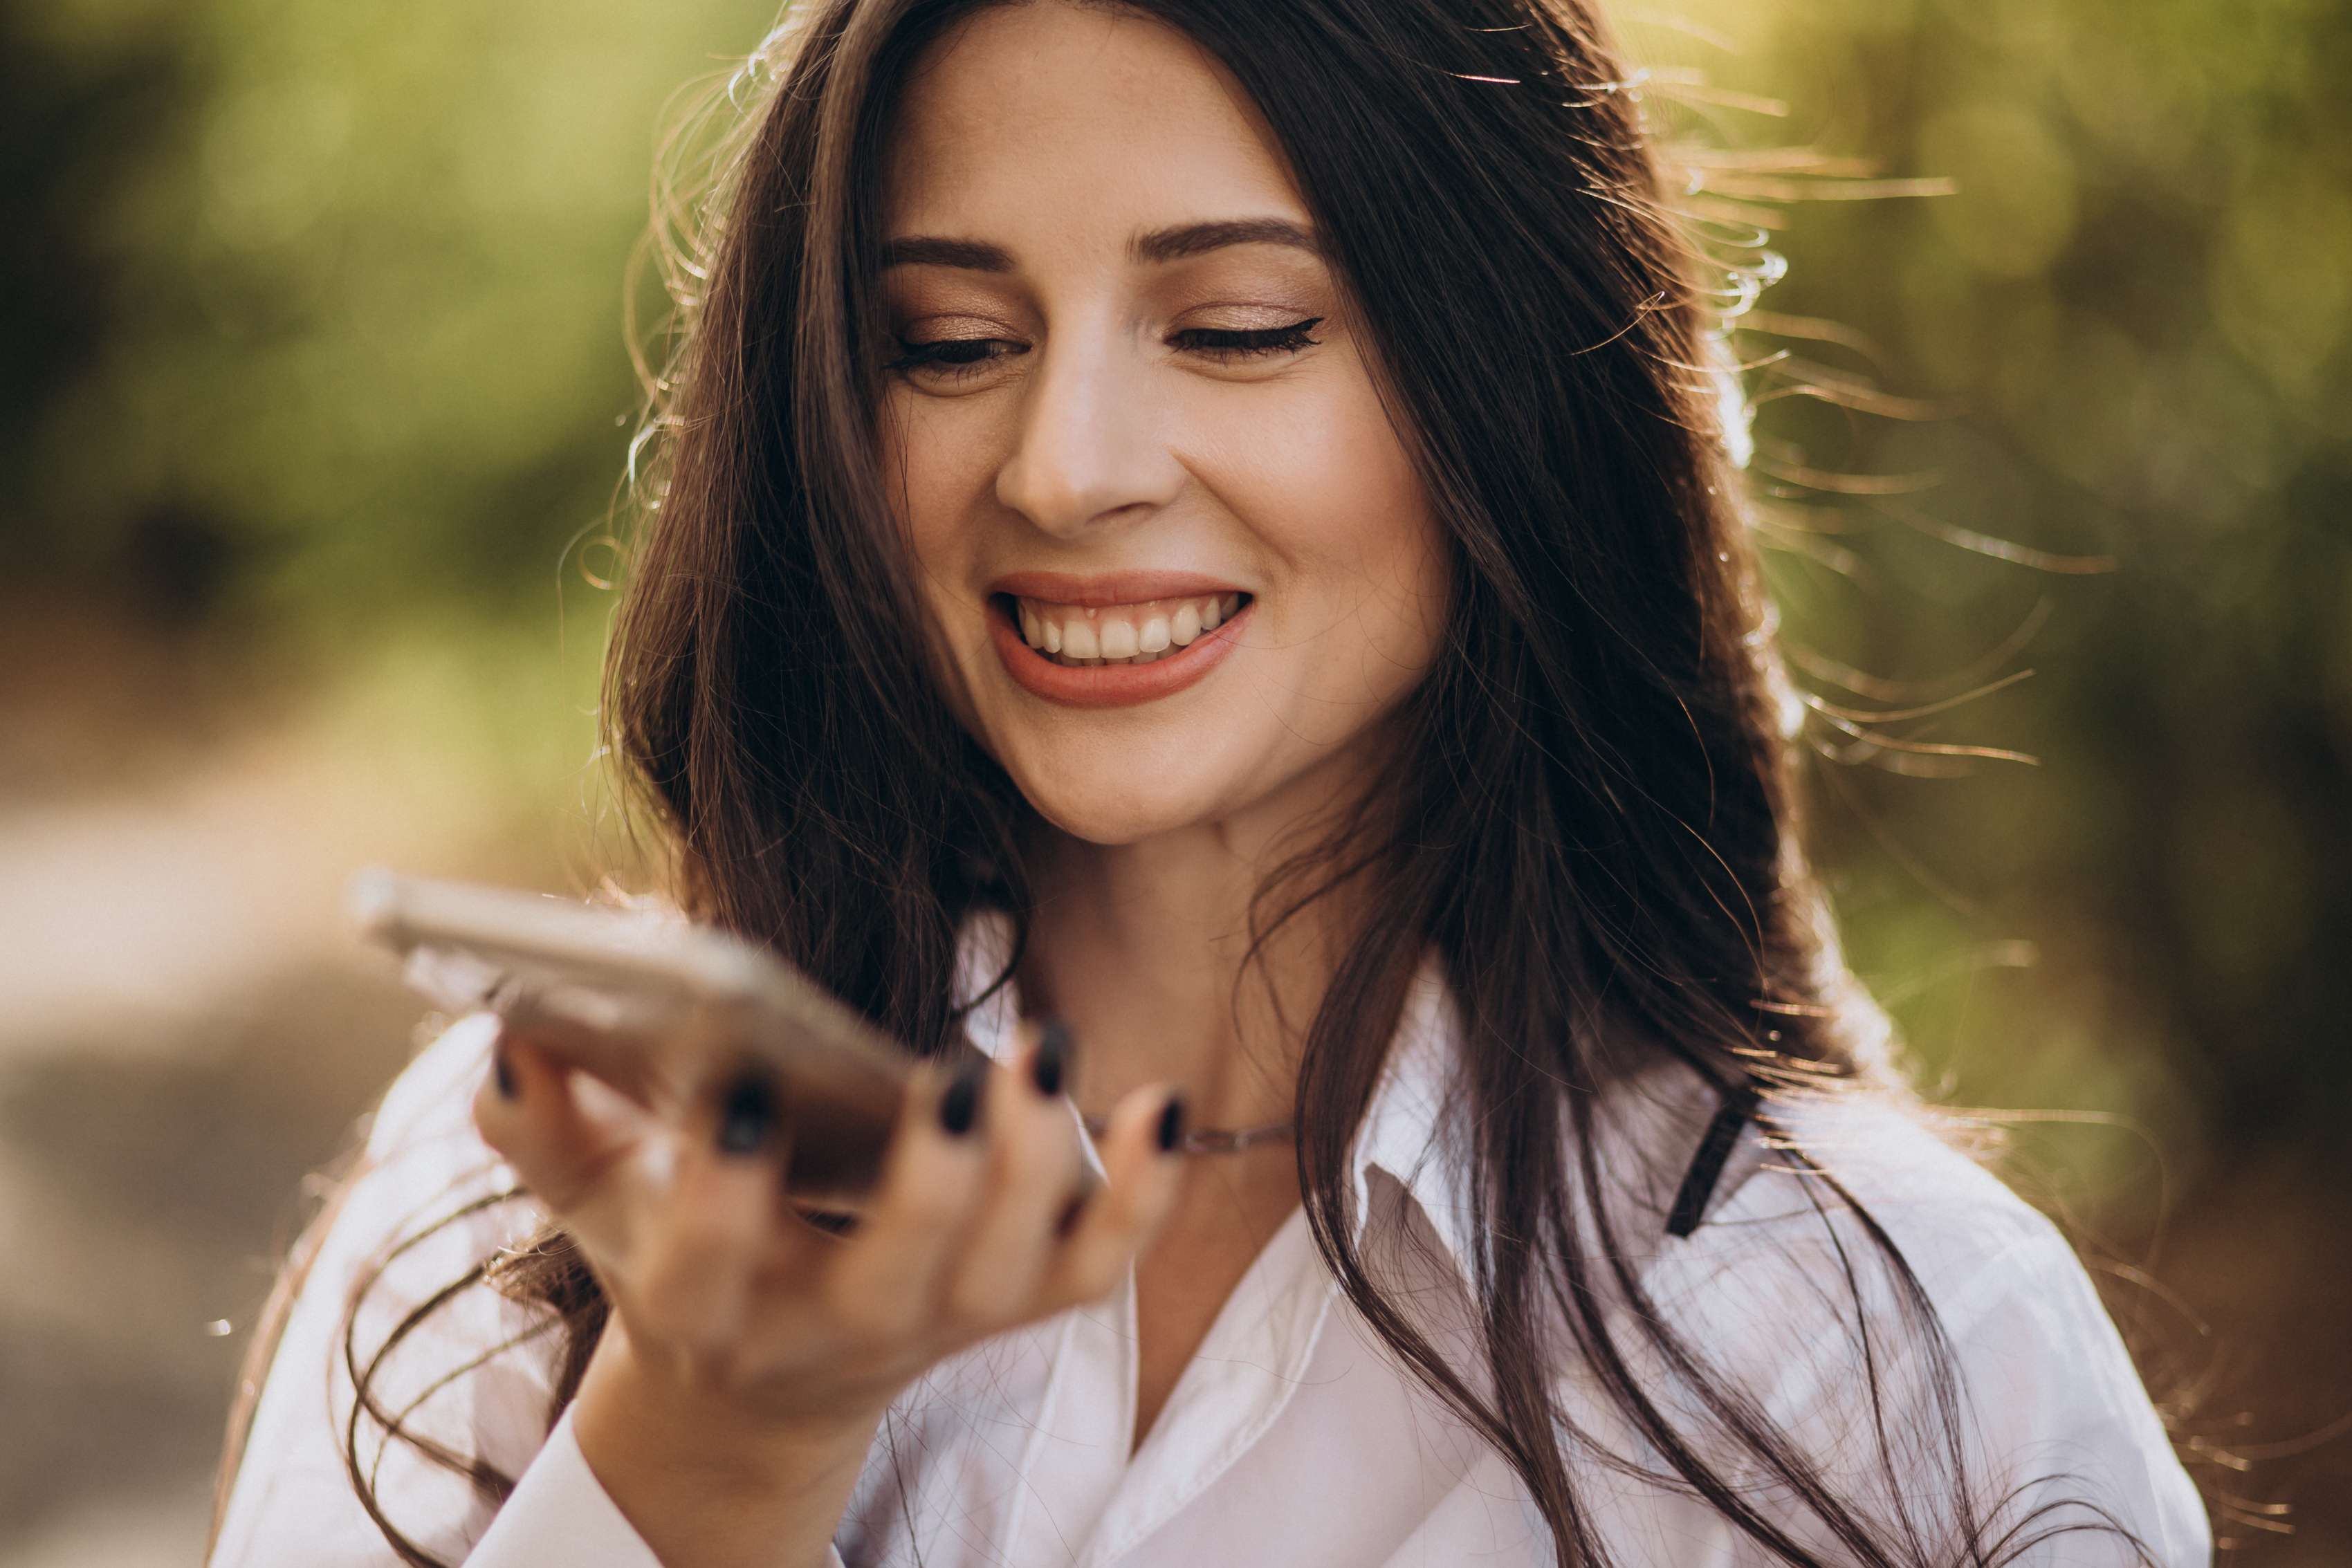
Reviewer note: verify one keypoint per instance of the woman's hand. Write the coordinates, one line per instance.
(750, 1354)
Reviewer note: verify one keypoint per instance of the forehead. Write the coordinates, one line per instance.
(1049, 119)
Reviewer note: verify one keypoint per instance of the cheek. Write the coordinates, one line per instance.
(1328, 487)
(935, 461)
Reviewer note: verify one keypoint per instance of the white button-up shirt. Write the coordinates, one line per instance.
(1292, 1439)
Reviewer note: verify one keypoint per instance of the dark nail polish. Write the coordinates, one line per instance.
(502, 1071)
(1172, 1124)
(1053, 1059)
(745, 1117)
(960, 1106)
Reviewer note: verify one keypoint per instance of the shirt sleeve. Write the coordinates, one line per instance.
(2044, 1439)
(560, 1513)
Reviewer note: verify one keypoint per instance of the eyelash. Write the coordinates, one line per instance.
(960, 357)
(1219, 344)
(942, 354)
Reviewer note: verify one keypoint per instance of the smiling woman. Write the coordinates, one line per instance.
(1199, 557)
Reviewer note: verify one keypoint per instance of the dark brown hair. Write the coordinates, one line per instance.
(1590, 820)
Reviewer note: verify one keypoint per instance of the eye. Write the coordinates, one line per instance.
(1219, 344)
(950, 357)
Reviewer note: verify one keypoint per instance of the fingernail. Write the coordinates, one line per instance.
(1172, 1124)
(745, 1117)
(960, 1106)
(502, 1071)
(1053, 1059)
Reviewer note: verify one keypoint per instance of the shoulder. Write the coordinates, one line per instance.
(1852, 1198)
(1860, 1244)
(431, 1102)
(1870, 1186)
(1846, 1199)
(1874, 1158)
(429, 1200)
(428, 1205)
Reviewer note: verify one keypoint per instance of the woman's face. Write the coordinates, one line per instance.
(1173, 549)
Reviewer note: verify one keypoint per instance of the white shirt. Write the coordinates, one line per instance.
(1292, 1439)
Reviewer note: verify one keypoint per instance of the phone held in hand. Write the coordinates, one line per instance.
(666, 1010)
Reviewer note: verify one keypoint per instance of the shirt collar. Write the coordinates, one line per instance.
(1409, 1132)
(1645, 1129)
(982, 953)
(1412, 1131)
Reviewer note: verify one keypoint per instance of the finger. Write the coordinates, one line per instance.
(886, 1280)
(716, 1229)
(527, 1110)
(1143, 1158)
(1035, 1163)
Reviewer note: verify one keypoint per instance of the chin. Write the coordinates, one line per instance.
(1115, 779)
(1118, 816)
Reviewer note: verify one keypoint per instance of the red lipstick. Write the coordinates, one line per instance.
(1108, 685)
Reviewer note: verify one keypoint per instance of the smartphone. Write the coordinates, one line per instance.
(662, 1008)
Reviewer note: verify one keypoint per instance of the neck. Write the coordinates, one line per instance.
(1145, 949)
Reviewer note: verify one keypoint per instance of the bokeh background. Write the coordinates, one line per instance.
(314, 403)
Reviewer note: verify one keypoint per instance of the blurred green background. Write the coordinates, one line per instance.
(314, 399)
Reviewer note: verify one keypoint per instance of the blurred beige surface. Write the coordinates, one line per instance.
(191, 1030)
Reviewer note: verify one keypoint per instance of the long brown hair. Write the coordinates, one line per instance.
(1591, 820)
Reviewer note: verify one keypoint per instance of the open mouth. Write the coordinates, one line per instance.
(1140, 633)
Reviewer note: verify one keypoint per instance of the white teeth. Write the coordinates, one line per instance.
(1140, 634)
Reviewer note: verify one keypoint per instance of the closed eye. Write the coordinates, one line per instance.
(1220, 344)
(951, 357)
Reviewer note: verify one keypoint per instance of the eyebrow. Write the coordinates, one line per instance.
(1196, 239)
(1158, 246)
(930, 250)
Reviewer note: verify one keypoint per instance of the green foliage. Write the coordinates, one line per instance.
(2137, 305)
(348, 328)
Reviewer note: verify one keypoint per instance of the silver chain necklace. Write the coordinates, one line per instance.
(1213, 1140)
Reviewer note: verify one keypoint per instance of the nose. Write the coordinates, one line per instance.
(1091, 449)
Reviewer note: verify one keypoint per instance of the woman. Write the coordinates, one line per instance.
(1212, 522)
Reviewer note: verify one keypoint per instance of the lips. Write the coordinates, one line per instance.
(1112, 642)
